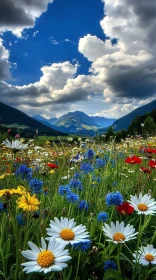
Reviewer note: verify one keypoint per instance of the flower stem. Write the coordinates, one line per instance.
(78, 265)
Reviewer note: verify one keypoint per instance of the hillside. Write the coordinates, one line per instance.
(77, 122)
(16, 118)
(124, 122)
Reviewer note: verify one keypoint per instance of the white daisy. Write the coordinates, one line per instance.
(66, 231)
(46, 259)
(145, 255)
(143, 204)
(15, 145)
(119, 233)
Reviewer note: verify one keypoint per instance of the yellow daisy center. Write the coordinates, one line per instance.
(142, 207)
(118, 236)
(149, 257)
(67, 234)
(45, 258)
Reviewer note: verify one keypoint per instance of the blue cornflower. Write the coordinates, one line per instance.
(76, 175)
(62, 190)
(36, 186)
(83, 205)
(72, 197)
(21, 219)
(114, 199)
(102, 217)
(24, 172)
(3, 207)
(86, 168)
(99, 163)
(76, 184)
(109, 265)
(114, 184)
(89, 154)
(82, 246)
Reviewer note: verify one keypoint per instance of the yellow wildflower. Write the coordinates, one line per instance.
(28, 203)
(20, 190)
(52, 171)
(5, 191)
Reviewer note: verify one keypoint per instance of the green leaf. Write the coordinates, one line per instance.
(112, 274)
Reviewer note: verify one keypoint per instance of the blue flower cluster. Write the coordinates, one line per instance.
(109, 265)
(21, 219)
(62, 190)
(86, 168)
(83, 205)
(114, 199)
(89, 154)
(35, 186)
(24, 172)
(72, 197)
(102, 217)
(76, 184)
(76, 175)
(99, 163)
(82, 246)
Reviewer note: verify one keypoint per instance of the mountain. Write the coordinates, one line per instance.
(124, 122)
(77, 123)
(53, 120)
(102, 122)
(18, 119)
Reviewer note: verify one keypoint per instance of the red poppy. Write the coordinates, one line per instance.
(125, 208)
(149, 150)
(145, 169)
(133, 160)
(53, 165)
(152, 163)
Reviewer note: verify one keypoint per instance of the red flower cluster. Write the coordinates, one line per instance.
(149, 150)
(53, 165)
(125, 208)
(152, 163)
(133, 160)
(145, 170)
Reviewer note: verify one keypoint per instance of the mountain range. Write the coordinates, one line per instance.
(124, 122)
(21, 121)
(72, 122)
(76, 123)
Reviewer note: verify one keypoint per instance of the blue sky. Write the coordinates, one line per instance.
(63, 20)
(57, 56)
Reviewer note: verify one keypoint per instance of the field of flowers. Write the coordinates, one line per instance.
(78, 212)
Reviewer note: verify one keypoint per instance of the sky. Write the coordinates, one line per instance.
(95, 56)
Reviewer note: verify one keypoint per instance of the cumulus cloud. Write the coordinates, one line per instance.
(121, 77)
(126, 69)
(4, 64)
(16, 15)
(92, 47)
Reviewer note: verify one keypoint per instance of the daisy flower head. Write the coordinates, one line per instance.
(14, 145)
(143, 204)
(145, 255)
(119, 233)
(66, 231)
(47, 258)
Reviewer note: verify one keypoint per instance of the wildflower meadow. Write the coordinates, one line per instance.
(80, 211)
